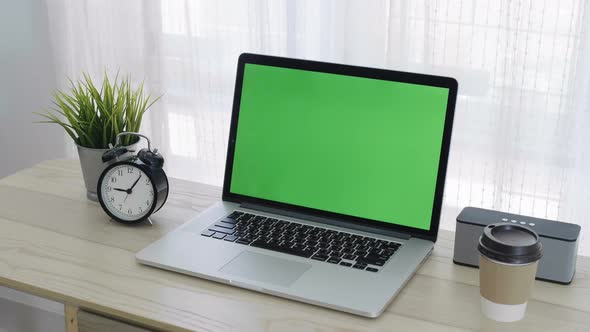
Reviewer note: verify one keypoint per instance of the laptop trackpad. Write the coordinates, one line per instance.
(265, 269)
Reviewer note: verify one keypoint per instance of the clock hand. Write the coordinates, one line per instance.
(134, 183)
(119, 189)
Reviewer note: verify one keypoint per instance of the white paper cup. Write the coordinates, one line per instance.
(507, 269)
(502, 312)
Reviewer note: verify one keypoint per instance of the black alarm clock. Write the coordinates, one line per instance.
(132, 189)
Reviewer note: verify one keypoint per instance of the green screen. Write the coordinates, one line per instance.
(357, 146)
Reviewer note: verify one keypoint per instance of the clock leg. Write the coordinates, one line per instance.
(150, 222)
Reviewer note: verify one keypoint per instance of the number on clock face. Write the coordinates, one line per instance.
(127, 192)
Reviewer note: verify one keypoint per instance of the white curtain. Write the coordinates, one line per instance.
(522, 118)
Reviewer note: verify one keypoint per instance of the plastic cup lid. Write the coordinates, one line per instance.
(510, 243)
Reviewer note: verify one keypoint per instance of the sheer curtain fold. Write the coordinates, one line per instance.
(520, 135)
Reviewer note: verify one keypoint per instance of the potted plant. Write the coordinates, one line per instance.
(93, 118)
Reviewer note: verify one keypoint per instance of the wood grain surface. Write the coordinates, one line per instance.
(56, 244)
(71, 317)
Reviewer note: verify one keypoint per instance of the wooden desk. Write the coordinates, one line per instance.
(56, 244)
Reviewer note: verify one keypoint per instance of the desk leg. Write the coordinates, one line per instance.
(71, 314)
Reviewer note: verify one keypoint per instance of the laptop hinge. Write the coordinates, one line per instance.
(324, 220)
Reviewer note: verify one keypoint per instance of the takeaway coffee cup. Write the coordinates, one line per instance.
(508, 260)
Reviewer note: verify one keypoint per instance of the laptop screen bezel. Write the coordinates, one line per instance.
(381, 74)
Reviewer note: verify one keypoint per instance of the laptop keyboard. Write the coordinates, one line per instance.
(349, 250)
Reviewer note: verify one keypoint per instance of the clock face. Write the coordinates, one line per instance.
(127, 192)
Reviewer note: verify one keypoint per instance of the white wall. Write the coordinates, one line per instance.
(27, 79)
(20, 312)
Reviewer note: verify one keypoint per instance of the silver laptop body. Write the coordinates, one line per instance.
(202, 249)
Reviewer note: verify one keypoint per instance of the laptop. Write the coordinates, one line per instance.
(333, 185)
